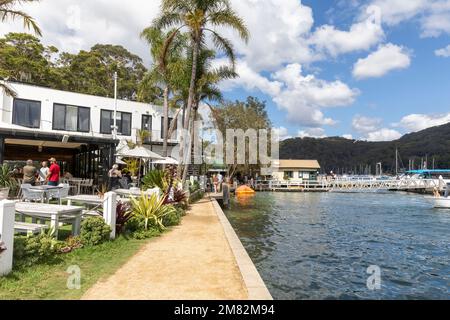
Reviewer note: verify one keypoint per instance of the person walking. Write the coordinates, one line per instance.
(215, 183)
(220, 179)
(43, 172)
(114, 175)
(29, 173)
(53, 173)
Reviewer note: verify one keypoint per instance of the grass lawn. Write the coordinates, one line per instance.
(49, 281)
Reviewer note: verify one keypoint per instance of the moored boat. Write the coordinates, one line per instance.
(440, 203)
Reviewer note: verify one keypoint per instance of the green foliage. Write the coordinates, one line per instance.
(194, 186)
(196, 196)
(6, 177)
(72, 243)
(173, 218)
(132, 166)
(156, 179)
(24, 58)
(151, 210)
(142, 234)
(94, 231)
(30, 250)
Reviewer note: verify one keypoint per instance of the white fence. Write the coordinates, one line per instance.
(7, 219)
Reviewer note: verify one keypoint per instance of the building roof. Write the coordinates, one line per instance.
(300, 164)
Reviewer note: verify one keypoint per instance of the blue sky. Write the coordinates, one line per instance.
(371, 70)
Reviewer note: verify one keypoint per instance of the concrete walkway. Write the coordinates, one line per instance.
(193, 261)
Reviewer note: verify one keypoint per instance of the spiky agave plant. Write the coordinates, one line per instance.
(151, 209)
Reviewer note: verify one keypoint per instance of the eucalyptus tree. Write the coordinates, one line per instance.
(8, 11)
(201, 18)
(167, 50)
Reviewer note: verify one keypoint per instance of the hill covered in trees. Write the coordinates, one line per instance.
(346, 156)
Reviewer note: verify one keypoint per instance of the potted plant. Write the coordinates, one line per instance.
(7, 181)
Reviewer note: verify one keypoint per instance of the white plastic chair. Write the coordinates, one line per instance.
(61, 193)
(30, 194)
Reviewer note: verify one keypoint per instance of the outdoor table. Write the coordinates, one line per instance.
(89, 199)
(46, 190)
(53, 212)
(131, 193)
(76, 183)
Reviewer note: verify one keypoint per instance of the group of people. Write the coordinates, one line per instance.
(49, 175)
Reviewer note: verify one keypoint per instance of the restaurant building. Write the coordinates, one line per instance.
(296, 170)
(76, 129)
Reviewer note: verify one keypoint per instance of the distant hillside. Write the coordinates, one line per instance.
(343, 155)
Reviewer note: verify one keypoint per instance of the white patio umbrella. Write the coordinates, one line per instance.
(138, 153)
(167, 160)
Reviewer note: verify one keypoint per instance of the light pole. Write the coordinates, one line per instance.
(115, 107)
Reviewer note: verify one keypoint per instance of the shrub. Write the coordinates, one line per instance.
(156, 179)
(29, 250)
(151, 209)
(71, 244)
(173, 218)
(94, 231)
(198, 195)
(146, 234)
(123, 215)
(193, 187)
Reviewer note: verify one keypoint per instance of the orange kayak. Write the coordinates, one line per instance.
(244, 190)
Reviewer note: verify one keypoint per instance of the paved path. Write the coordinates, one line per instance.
(193, 261)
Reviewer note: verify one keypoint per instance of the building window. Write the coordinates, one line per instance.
(162, 126)
(27, 113)
(289, 174)
(304, 175)
(147, 126)
(123, 122)
(71, 118)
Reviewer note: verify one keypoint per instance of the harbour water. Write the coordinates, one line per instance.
(320, 245)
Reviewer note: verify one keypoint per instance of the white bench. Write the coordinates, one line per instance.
(29, 228)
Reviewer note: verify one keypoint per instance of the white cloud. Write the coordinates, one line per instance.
(444, 52)
(364, 124)
(72, 25)
(312, 133)
(282, 133)
(388, 57)
(417, 122)
(383, 134)
(395, 11)
(347, 136)
(361, 36)
(302, 96)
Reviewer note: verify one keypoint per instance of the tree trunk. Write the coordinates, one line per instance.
(166, 121)
(187, 119)
(191, 131)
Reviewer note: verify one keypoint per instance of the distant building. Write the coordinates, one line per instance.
(75, 128)
(296, 170)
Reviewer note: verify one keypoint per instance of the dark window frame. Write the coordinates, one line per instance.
(26, 100)
(65, 115)
(120, 125)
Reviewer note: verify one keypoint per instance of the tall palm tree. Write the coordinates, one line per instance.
(201, 17)
(7, 12)
(166, 50)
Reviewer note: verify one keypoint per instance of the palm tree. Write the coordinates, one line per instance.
(201, 17)
(166, 51)
(7, 12)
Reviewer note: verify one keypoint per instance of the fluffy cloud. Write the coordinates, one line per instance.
(383, 134)
(395, 11)
(72, 25)
(364, 124)
(347, 136)
(444, 52)
(361, 36)
(282, 133)
(388, 57)
(302, 96)
(417, 122)
(311, 133)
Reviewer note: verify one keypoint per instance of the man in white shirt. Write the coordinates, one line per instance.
(43, 172)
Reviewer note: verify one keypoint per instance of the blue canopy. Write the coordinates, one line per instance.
(426, 171)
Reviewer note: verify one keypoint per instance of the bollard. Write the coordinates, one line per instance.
(226, 195)
(109, 211)
(7, 215)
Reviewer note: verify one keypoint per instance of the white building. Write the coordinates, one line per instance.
(296, 170)
(75, 128)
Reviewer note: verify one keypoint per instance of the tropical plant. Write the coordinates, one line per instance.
(200, 17)
(8, 12)
(151, 209)
(168, 64)
(123, 215)
(157, 179)
(7, 179)
(30, 250)
(132, 166)
(94, 231)
(102, 190)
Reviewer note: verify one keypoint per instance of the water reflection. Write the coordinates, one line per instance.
(319, 245)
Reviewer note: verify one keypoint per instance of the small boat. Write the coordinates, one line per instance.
(244, 190)
(440, 203)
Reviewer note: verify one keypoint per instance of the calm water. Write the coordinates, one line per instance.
(319, 246)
